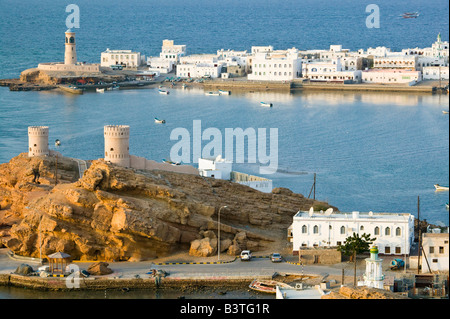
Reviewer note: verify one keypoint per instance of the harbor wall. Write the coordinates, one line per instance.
(246, 85)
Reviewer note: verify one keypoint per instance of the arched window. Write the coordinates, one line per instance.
(111, 149)
(387, 231)
(304, 229)
(361, 228)
(377, 230)
(342, 230)
(316, 229)
(398, 231)
(71, 40)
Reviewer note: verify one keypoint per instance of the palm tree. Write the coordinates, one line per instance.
(354, 245)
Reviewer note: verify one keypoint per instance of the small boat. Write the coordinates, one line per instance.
(267, 286)
(445, 112)
(410, 15)
(212, 93)
(266, 104)
(163, 92)
(184, 86)
(100, 90)
(446, 206)
(71, 89)
(440, 188)
(115, 87)
(170, 162)
(157, 120)
(57, 142)
(222, 92)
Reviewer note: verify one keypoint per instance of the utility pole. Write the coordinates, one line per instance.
(420, 235)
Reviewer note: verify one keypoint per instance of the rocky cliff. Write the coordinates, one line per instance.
(116, 213)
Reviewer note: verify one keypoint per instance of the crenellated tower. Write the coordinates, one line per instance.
(38, 141)
(117, 144)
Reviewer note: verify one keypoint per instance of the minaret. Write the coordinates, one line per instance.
(374, 277)
(117, 141)
(37, 141)
(70, 56)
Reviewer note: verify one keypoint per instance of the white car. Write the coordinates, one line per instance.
(246, 255)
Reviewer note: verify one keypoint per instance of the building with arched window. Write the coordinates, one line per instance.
(394, 232)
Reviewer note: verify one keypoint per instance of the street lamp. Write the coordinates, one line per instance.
(218, 233)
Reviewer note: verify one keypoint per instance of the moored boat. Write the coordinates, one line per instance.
(222, 92)
(440, 188)
(163, 92)
(170, 162)
(212, 93)
(71, 89)
(267, 286)
(266, 104)
(157, 120)
(100, 90)
(445, 112)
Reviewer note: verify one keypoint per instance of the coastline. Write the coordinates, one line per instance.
(245, 85)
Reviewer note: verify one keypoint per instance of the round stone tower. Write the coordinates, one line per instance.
(70, 56)
(37, 141)
(117, 144)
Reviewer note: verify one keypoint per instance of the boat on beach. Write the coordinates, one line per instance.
(266, 104)
(71, 89)
(267, 286)
(100, 90)
(157, 120)
(163, 92)
(440, 188)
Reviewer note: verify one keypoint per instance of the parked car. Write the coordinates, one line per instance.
(276, 257)
(246, 255)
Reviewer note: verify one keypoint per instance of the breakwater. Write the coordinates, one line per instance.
(114, 283)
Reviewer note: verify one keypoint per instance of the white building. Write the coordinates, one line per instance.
(200, 70)
(405, 62)
(435, 72)
(394, 232)
(276, 66)
(220, 168)
(168, 58)
(391, 76)
(329, 71)
(126, 58)
(435, 247)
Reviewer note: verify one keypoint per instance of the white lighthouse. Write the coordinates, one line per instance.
(374, 277)
(70, 56)
(117, 144)
(37, 141)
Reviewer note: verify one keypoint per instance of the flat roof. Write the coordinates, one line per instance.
(349, 215)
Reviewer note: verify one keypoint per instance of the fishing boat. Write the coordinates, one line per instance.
(222, 92)
(446, 206)
(266, 104)
(445, 112)
(163, 92)
(157, 120)
(410, 15)
(71, 89)
(114, 87)
(100, 90)
(57, 142)
(440, 188)
(212, 93)
(267, 286)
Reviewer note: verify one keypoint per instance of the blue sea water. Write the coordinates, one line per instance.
(370, 151)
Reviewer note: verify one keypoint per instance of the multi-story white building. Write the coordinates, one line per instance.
(391, 76)
(276, 66)
(435, 247)
(435, 72)
(394, 232)
(405, 62)
(168, 58)
(126, 58)
(200, 70)
(329, 71)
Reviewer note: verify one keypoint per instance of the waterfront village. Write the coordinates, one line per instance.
(126, 209)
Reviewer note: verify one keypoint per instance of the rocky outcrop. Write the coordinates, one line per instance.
(346, 292)
(117, 213)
